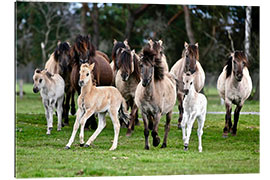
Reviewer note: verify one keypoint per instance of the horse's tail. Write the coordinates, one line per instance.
(123, 113)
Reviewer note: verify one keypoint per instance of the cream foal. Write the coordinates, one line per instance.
(194, 105)
(51, 89)
(97, 100)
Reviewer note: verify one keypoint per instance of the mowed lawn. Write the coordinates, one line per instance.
(40, 155)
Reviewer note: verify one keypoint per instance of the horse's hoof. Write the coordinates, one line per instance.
(146, 147)
(73, 111)
(67, 147)
(129, 132)
(156, 141)
(225, 135)
(179, 126)
(233, 134)
(185, 147)
(86, 145)
(81, 145)
(164, 145)
(65, 124)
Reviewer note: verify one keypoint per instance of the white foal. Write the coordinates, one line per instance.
(194, 105)
(52, 91)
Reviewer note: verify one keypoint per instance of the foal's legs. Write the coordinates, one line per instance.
(101, 125)
(201, 120)
(228, 121)
(190, 123)
(156, 139)
(236, 118)
(146, 131)
(86, 115)
(47, 114)
(180, 109)
(75, 127)
(66, 108)
(116, 126)
(183, 125)
(167, 128)
(59, 110)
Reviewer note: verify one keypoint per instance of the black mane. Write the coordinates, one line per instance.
(60, 49)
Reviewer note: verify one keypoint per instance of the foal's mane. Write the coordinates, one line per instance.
(61, 48)
(239, 56)
(81, 45)
(125, 62)
(150, 57)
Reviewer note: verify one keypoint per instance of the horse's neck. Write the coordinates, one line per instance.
(191, 94)
(233, 81)
(150, 89)
(87, 88)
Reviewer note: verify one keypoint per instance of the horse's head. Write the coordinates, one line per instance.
(188, 79)
(86, 74)
(238, 61)
(117, 49)
(191, 56)
(39, 79)
(156, 46)
(83, 50)
(126, 63)
(62, 56)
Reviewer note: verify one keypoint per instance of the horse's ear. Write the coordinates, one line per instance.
(126, 42)
(186, 45)
(91, 67)
(58, 43)
(68, 44)
(197, 44)
(48, 74)
(114, 41)
(133, 52)
(37, 71)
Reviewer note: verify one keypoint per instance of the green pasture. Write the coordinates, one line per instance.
(40, 155)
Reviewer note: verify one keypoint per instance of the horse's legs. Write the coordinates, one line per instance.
(101, 125)
(66, 108)
(50, 119)
(79, 115)
(146, 131)
(167, 128)
(201, 120)
(73, 110)
(236, 118)
(134, 110)
(183, 126)
(59, 110)
(180, 109)
(156, 139)
(228, 120)
(116, 126)
(190, 122)
(86, 115)
(47, 114)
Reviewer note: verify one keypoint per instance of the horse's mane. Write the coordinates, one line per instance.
(82, 44)
(192, 49)
(150, 56)
(239, 56)
(117, 46)
(61, 48)
(125, 62)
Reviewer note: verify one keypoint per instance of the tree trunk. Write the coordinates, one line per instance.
(188, 25)
(94, 16)
(257, 91)
(247, 30)
(133, 15)
(84, 10)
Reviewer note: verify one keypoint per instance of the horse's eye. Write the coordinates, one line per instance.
(87, 74)
(184, 83)
(40, 80)
(190, 83)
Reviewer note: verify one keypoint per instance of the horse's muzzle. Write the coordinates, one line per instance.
(145, 82)
(35, 89)
(186, 91)
(239, 77)
(124, 77)
(81, 83)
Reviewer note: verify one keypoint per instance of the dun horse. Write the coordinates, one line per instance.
(126, 81)
(83, 51)
(97, 100)
(234, 86)
(51, 89)
(155, 95)
(59, 63)
(188, 62)
(194, 107)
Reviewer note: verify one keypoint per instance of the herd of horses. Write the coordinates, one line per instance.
(137, 81)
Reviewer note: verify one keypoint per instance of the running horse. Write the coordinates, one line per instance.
(188, 63)
(83, 51)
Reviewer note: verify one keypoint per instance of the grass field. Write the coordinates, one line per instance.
(40, 155)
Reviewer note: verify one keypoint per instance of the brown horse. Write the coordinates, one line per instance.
(234, 86)
(188, 63)
(59, 63)
(126, 81)
(155, 95)
(83, 51)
